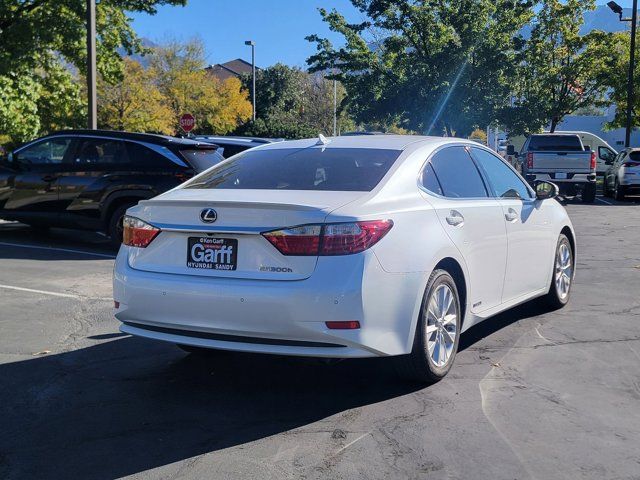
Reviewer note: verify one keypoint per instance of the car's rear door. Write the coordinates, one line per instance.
(473, 221)
(84, 176)
(530, 236)
(34, 192)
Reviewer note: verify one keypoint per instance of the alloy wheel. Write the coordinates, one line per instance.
(442, 316)
(564, 270)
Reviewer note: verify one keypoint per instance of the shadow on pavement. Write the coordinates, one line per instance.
(129, 405)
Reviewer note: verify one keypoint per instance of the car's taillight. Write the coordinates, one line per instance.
(592, 165)
(329, 239)
(137, 233)
(529, 160)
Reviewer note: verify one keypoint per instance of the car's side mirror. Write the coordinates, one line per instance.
(587, 148)
(546, 190)
(511, 150)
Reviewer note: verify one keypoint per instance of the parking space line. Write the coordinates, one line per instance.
(604, 201)
(68, 250)
(54, 294)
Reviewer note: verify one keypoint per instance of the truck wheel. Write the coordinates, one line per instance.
(619, 192)
(589, 193)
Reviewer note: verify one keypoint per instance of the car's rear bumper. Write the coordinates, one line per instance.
(278, 317)
(552, 177)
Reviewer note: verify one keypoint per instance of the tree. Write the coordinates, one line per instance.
(618, 68)
(43, 48)
(423, 65)
(135, 103)
(560, 70)
(292, 103)
(218, 106)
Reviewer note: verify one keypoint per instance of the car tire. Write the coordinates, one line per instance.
(563, 274)
(589, 193)
(115, 224)
(619, 192)
(434, 348)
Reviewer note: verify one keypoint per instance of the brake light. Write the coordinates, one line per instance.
(592, 165)
(329, 239)
(529, 160)
(137, 233)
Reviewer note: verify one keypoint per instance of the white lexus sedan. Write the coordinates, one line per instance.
(343, 247)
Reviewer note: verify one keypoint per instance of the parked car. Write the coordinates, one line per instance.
(623, 176)
(87, 179)
(604, 152)
(229, 146)
(563, 159)
(357, 246)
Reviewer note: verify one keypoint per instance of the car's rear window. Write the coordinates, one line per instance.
(316, 168)
(559, 143)
(201, 159)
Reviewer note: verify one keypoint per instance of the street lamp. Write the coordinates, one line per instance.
(252, 44)
(634, 20)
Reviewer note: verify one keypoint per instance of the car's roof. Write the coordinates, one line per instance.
(383, 142)
(141, 137)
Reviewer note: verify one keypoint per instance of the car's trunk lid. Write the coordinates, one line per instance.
(241, 217)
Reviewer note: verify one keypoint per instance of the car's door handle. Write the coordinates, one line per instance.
(455, 218)
(49, 178)
(511, 215)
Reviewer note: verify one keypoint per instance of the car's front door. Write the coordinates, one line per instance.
(473, 221)
(34, 192)
(530, 236)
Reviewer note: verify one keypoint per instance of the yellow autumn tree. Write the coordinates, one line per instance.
(135, 103)
(218, 107)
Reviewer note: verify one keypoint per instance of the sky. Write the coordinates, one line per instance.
(277, 26)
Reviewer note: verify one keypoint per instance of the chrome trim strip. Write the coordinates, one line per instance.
(168, 227)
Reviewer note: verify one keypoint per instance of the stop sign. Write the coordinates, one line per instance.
(187, 122)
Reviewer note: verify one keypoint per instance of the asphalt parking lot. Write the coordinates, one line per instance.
(532, 395)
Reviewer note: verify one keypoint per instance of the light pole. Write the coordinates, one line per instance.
(91, 66)
(632, 54)
(252, 44)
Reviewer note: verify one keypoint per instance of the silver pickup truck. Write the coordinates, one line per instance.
(563, 160)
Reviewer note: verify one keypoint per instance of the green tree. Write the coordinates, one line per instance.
(559, 70)
(292, 103)
(424, 65)
(618, 68)
(43, 48)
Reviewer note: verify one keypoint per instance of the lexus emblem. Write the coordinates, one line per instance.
(208, 215)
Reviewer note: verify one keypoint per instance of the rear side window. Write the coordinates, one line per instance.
(144, 157)
(457, 174)
(635, 156)
(430, 181)
(100, 151)
(561, 143)
(315, 168)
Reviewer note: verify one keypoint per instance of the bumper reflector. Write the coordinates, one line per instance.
(343, 325)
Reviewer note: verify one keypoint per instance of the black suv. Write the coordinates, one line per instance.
(86, 179)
